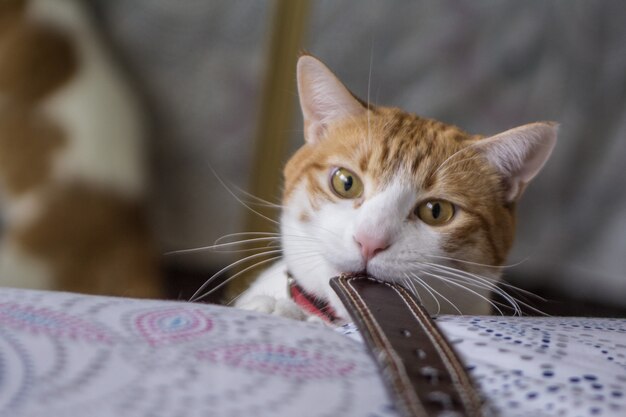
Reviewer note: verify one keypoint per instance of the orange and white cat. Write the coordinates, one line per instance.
(400, 197)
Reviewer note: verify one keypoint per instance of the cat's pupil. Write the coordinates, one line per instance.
(347, 183)
(436, 210)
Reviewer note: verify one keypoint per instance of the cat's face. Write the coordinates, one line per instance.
(398, 196)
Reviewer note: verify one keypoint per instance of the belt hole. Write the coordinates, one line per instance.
(405, 333)
(441, 398)
(420, 354)
(430, 373)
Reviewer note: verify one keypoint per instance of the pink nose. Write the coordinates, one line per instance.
(371, 245)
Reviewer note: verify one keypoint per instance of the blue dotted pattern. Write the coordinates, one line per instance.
(545, 366)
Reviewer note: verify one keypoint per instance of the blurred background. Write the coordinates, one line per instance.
(217, 83)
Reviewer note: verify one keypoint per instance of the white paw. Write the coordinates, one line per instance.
(260, 303)
(287, 308)
(318, 320)
(282, 307)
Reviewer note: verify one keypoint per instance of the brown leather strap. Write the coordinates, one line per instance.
(421, 370)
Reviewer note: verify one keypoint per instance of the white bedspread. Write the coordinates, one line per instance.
(73, 355)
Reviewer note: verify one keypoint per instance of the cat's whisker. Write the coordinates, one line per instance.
(521, 290)
(452, 281)
(266, 205)
(222, 245)
(531, 307)
(272, 242)
(492, 281)
(428, 289)
(249, 234)
(230, 266)
(438, 293)
(235, 298)
(271, 245)
(411, 285)
(239, 200)
(272, 238)
(493, 285)
(476, 281)
(405, 284)
(487, 279)
(276, 238)
(258, 199)
(220, 285)
(465, 285)
(448, 258)
(302, 257)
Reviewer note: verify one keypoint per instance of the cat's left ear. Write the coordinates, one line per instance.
(520, 153)
(323, 98)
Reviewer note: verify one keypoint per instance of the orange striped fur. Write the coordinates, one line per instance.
(397, 141)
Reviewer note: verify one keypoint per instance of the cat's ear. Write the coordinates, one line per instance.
(520, 153)
(323, 98)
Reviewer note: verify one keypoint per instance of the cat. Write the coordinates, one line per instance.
(400, 197)
(71, 158)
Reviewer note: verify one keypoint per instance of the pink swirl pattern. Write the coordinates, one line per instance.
(172, 325)
(279, 360)
(49, 322)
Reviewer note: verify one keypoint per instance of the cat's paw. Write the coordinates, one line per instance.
(282, 307)
(317, 320)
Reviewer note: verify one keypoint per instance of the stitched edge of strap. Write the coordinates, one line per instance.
(449, 358)
(378, 337)
(472, 403)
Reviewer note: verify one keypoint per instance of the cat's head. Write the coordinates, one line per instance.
(380, 190)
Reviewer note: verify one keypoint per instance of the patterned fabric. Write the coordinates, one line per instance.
(545, 366)
(548, 366)
(72, 355)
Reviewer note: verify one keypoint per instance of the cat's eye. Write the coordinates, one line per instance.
(435, 212)
(345, 183)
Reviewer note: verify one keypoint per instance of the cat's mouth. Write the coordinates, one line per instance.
(374, 271)
(365, 272)
(361, 272)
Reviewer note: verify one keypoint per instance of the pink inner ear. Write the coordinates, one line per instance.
(520, 153)
(314, 131)
(323, 98)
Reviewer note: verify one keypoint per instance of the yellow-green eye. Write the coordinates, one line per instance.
(435, 212)
(345, 183)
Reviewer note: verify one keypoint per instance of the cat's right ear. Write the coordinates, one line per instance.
(323, 98)
(519, 154)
